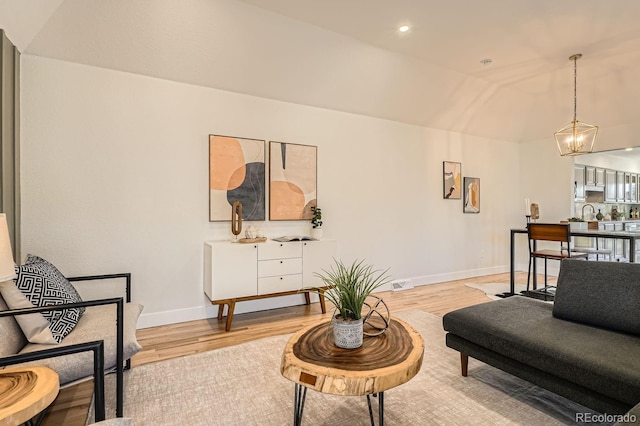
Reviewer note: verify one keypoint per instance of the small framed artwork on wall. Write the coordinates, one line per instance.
(471, 195)
(451, 180)
(292, 181)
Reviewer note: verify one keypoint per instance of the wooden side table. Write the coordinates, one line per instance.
(26, 392)
(311, 360)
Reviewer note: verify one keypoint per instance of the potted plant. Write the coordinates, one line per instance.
(316, 223)
(347, 288)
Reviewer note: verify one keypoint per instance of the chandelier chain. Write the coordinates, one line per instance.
(575, 88)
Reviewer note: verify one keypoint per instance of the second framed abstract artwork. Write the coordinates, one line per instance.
(451, 180)
(471, 201)
(292, 181)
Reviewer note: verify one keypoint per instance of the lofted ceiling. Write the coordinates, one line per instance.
(347, 55)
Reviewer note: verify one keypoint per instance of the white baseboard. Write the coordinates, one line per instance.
(154, 319)
(207, 310)
(459, 275)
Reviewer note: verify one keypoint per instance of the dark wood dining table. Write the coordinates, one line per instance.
(630, 236)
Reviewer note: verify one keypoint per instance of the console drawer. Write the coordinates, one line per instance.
(277, 284)
(277, 250)
(270, 268)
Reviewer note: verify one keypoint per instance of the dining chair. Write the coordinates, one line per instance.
(551, 232)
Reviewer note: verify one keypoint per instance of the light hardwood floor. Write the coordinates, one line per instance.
(159, 343)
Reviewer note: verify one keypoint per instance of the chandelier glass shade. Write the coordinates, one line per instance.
(576, 138)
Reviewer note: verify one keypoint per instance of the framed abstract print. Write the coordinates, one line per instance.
(451, 180)
(236, 173)
(471, 195)
(292, 181)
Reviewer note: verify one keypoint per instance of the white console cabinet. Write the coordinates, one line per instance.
(235, 272)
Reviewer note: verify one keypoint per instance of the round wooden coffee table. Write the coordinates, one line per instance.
(311, 360)
(25, 392)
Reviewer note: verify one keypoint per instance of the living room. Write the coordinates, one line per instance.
(118, 99)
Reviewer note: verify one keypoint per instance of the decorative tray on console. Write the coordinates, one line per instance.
(252, 240)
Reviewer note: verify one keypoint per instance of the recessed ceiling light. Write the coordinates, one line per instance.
(404, 28)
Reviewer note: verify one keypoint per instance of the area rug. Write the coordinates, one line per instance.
(242, 385)
(491, 289)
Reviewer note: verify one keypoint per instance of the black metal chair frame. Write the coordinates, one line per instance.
(96, 346)
(566, 238)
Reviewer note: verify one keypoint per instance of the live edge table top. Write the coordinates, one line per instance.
(25, 392)
(311, 359)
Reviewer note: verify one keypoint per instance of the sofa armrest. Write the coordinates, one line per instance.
(98, 366)
(119, 335)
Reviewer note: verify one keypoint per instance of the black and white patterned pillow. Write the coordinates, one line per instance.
(44, 285)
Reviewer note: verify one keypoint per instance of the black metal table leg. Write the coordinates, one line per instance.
(370, 410)
(512, 263)
(300, 394)
(37, 420)
(380, 396)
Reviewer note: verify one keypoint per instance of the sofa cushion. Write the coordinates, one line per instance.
(43, 285)
(604, 294)
(524, 330)
(10, 334)
(97, 323)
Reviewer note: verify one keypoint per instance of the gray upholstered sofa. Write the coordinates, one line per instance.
(585, 346)
(104, 338)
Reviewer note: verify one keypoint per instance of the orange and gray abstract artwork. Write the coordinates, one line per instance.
(236, 173)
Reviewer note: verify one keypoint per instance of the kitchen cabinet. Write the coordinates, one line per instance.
(594, 176)
(633, 191)
(600, 180)
(578, 189)
(627, 187)
(619, 186)
(617, 246)
(610, 186)
(589, 175)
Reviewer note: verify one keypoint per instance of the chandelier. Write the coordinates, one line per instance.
(576, 137)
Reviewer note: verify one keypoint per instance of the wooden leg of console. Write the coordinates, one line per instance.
(220, 311)
(323, 306)
(464, 363)
(232, 306)
(307, 298)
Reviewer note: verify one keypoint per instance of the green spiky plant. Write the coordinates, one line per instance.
(349, 286)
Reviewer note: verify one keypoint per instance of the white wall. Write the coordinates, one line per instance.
(115, 174)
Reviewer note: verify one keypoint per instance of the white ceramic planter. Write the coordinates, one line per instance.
(347, 334)
(316, 233)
